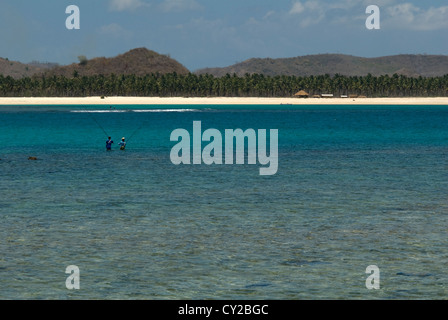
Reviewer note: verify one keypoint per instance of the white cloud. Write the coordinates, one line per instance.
(402, 14)
(269, 14)
(411, 17)
(394, 15)
(179, 5)
(321, 6)
(297, 8)
(124, 5)
(311, 12)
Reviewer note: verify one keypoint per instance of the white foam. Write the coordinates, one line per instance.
(98, 111)
(135, 110)
(166, 110)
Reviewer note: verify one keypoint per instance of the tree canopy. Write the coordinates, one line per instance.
(205, 85)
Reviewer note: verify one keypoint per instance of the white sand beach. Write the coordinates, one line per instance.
(221, 101)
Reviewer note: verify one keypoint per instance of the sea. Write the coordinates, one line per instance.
(358, 188)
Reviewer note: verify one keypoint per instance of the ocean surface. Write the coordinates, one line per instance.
(356, 186)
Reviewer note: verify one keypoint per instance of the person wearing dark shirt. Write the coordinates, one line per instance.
(109, 144)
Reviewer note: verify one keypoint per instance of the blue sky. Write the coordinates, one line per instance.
(211, 33)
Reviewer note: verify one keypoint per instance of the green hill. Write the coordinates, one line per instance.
(409, 65)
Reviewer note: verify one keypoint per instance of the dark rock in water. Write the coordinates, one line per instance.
(420, 275)
(32, 158)
(251, 286)
(301, 263)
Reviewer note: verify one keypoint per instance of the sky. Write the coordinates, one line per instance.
(212, 33)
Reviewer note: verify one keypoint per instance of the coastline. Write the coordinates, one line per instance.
(219, 101)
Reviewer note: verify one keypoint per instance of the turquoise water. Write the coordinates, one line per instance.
(356, 186)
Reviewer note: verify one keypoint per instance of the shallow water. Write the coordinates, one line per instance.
(356, 186)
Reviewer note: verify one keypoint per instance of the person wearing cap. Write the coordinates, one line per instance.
(122, 144)
(109, 144)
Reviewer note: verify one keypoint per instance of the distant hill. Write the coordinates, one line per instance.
(409, 65)
(43, 65)
(140, 62)
(18, 70)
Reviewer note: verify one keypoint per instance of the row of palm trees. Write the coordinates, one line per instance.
(193, 85)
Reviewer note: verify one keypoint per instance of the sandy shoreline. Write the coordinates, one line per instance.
(221, 101)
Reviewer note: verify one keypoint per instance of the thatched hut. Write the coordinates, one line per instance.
(302, 94)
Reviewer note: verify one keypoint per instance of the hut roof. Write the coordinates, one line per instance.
(302, 93)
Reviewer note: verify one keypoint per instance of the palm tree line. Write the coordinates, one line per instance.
(206, 85)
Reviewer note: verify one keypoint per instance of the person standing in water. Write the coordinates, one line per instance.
(122, 144)
(109, 144)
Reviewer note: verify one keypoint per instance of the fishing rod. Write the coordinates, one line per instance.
(98, 124)
(130, 137)
(107, 135)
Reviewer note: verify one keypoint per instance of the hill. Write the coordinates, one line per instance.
(409, 65)
(140, 62)
(17, 69)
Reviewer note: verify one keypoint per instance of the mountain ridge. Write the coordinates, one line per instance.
(17, 69)
(138, 61)
(348, 65)
(142, 61)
